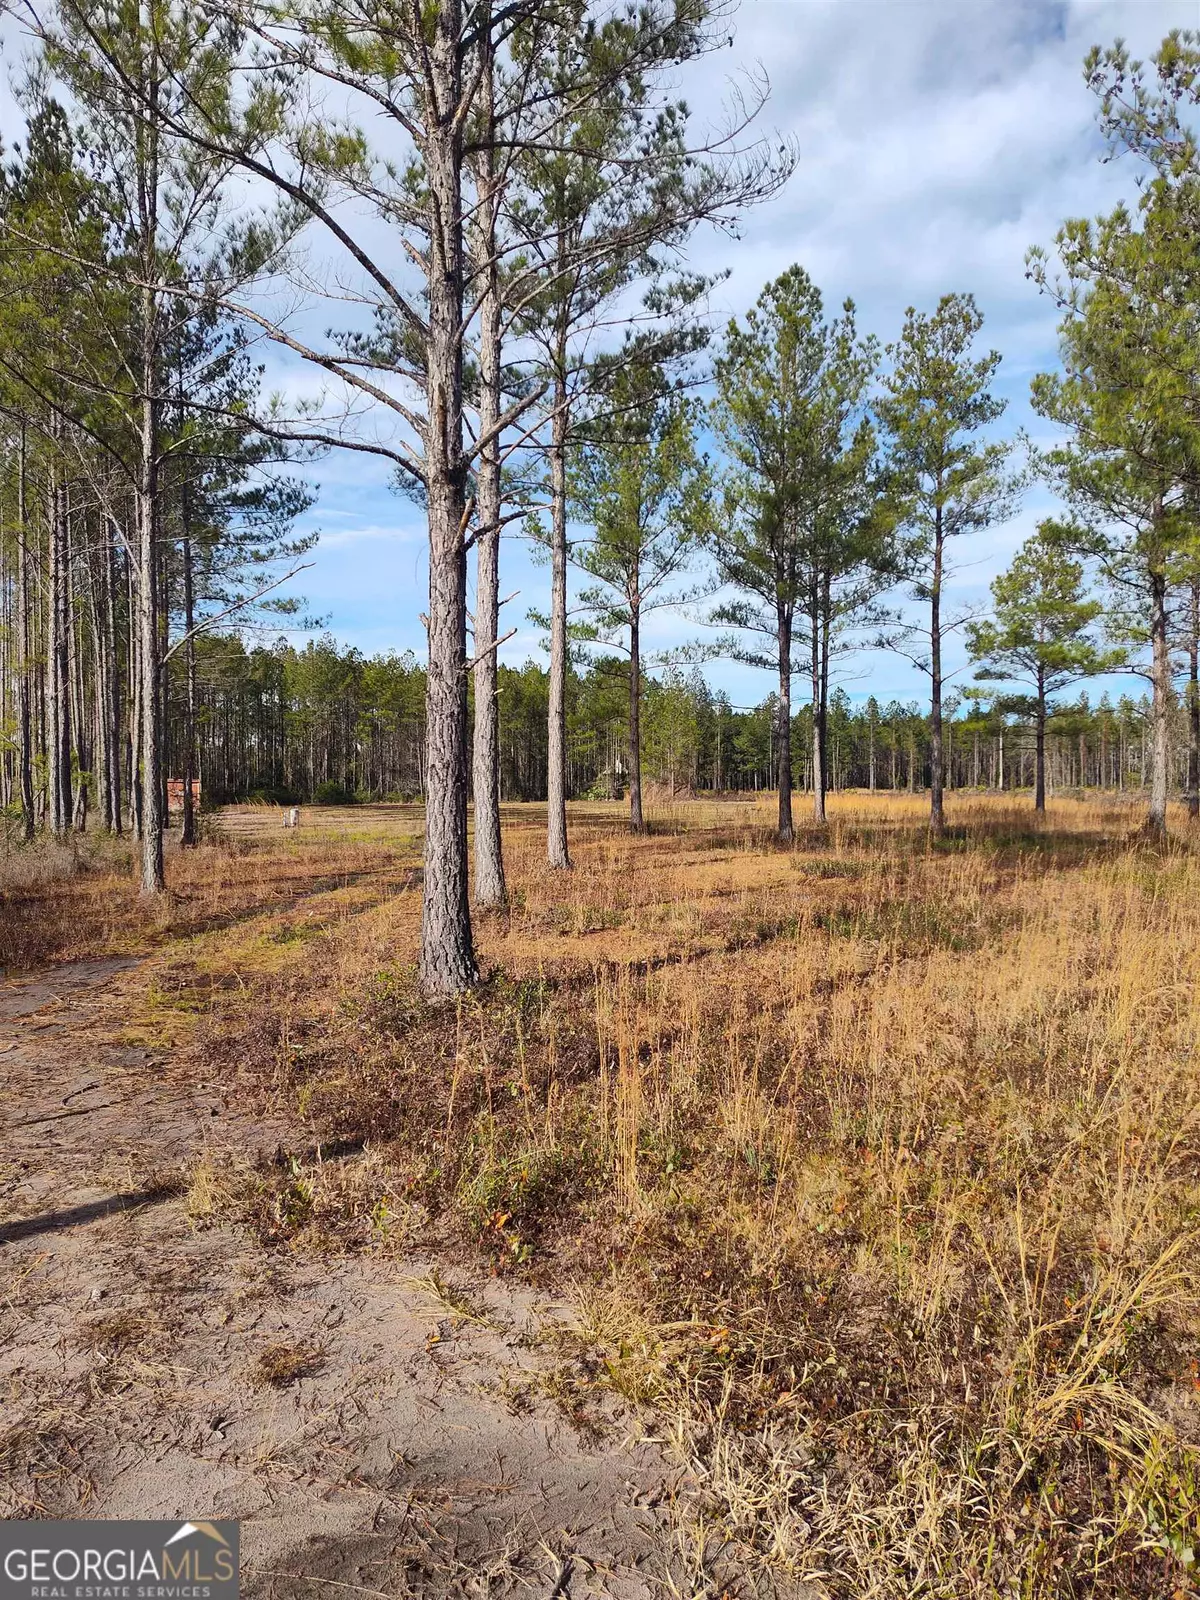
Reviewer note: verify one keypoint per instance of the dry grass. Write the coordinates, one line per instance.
(876, 1163)
(64, 901)
(281, 1365)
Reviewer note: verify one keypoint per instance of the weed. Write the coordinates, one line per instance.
(281, 1365)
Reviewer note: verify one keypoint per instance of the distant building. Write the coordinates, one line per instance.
(175, 794)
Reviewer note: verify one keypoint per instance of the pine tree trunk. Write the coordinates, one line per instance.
(557, 851)
(164, 644)
(24, 604)
(1193, 702)
(447, 962)
(102, 738)
(447, 953)
(94, 566)
(823, 701)
(787, 831)
(636, 820)
(58, 701)
(1160, 676)
(50, 696)
(490, 887)
(1039, 787)
(133, 738)
(818, 731)
(149, 675)
(187, 837)
(8, 696)
(150, 376)
(76, 695)
(937, 815)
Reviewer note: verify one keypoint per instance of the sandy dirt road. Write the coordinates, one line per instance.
(411, 1454)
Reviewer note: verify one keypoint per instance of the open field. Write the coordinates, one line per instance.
(864, 1176)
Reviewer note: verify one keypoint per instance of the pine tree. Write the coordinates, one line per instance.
(1129, 397)
(803, 538)
(642, 485)
(937, 399)
(1041, 634)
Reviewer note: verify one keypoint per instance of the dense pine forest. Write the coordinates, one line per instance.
(297, 724)
(314, 723)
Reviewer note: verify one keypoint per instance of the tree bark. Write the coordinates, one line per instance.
(822, 716)
(24, 603)
(557, 851)
(103, 667)
(150, 375)
(187, 837)
(1160, 679)
(447, 964)
(58, 701)
(490, 888)
(149, 675)
(937, 815)
(1193, 697)
(75, 687)
(636, 820)
(1039, 781)
(818, 730)
(133, 737)
(787, 831)
(8, 697)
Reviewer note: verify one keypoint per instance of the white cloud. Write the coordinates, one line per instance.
(368, 532)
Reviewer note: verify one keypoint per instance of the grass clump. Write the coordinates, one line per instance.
(281, 1365)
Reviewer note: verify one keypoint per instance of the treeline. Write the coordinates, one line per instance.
(138, 506)
(321, 724)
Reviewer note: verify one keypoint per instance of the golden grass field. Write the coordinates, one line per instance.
(872, 1165)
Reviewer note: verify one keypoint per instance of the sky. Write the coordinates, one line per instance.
(938, 140)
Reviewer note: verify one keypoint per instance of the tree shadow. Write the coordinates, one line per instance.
(92, 1211)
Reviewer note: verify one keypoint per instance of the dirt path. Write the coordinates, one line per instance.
(409, 1454)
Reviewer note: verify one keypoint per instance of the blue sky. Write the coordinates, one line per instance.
(939, 140)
